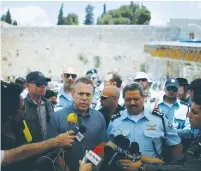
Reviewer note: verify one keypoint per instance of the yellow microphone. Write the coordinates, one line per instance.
(72, 120)
(26, 132)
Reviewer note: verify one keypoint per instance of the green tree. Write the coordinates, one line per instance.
(8, 17)
(71, 19)
(3, 17)
(60, 17)
(104, 10)
(14, 22)
(89, 18)
(126, 14)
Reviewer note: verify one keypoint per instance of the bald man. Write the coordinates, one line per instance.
(64, 97)
(109, 101)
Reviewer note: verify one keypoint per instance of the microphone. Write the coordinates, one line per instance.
(122, 148)
(134, 152)
(72, 120)
(27, 132)
(81, 129)
(93, 156)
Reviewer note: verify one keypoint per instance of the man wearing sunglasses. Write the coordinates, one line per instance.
(37, 107)
(64, 96)
(109, 102)
(176, 111)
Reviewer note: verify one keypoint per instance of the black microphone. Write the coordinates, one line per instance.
(123, 145)
(134, 152)
(80, 128)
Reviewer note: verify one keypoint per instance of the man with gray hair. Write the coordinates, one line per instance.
(138, 124)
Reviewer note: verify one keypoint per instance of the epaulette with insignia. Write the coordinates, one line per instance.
(114, 116)
(184, 103)
(157, 113)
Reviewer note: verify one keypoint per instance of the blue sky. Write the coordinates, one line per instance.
(44, 13)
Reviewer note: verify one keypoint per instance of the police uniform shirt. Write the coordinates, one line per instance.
(146, 129)
(177, 114)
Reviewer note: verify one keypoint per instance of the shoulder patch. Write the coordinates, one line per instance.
(157, 113)
(184, 103)
(114, 116)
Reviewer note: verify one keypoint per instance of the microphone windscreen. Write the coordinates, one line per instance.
(125, 144)
(72, 118)
(119, 139)
(134, 148)
(98, 150)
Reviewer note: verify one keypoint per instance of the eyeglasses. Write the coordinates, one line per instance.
(40, 84)
(66, 75)
(171, 88)
(141, 79)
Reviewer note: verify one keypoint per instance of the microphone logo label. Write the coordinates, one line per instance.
(94, 158)
(79, 136)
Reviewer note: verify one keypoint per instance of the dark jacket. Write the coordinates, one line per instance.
(106, 113)
(189, 161)
(32, 118)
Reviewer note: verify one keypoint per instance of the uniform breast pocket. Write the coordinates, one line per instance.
(150, 137)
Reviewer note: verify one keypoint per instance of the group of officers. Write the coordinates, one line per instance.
(166, 126)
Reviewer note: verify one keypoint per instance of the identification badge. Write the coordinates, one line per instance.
(79, 136)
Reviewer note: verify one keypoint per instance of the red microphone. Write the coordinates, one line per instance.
(93, 156)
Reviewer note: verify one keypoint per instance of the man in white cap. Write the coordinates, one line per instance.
(143, 79)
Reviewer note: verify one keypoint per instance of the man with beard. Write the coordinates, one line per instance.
(64, 97)
(183, 92)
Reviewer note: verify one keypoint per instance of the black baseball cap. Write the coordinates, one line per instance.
(91, 71)
(182, 81)
(37, 77)
(172, 82)
(195, 85)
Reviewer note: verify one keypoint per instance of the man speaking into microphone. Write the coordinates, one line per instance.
(93, 121)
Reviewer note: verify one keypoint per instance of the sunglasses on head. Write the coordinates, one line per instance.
(171, 88)
(40, 84)
(141, 79)
(68, 75)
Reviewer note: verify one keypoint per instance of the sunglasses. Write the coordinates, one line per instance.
(91, 78)
(68, 75)
(171, 88)
(103, 98)
(141, 79)
(40, 84)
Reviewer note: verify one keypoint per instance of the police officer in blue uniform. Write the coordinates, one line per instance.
(138, 124)
(191, 159)
(176, 111)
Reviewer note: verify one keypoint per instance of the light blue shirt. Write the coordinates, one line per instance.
(146, 129)
(63, 99)
(177, 114)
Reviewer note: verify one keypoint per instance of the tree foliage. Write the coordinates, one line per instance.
(60, 17)
(126, 14)
(14, 22)
(8, 17)
(89, 18)
(71, 19)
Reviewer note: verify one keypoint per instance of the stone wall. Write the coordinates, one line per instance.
(48, 49)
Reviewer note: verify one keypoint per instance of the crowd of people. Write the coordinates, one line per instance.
(37, 135)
